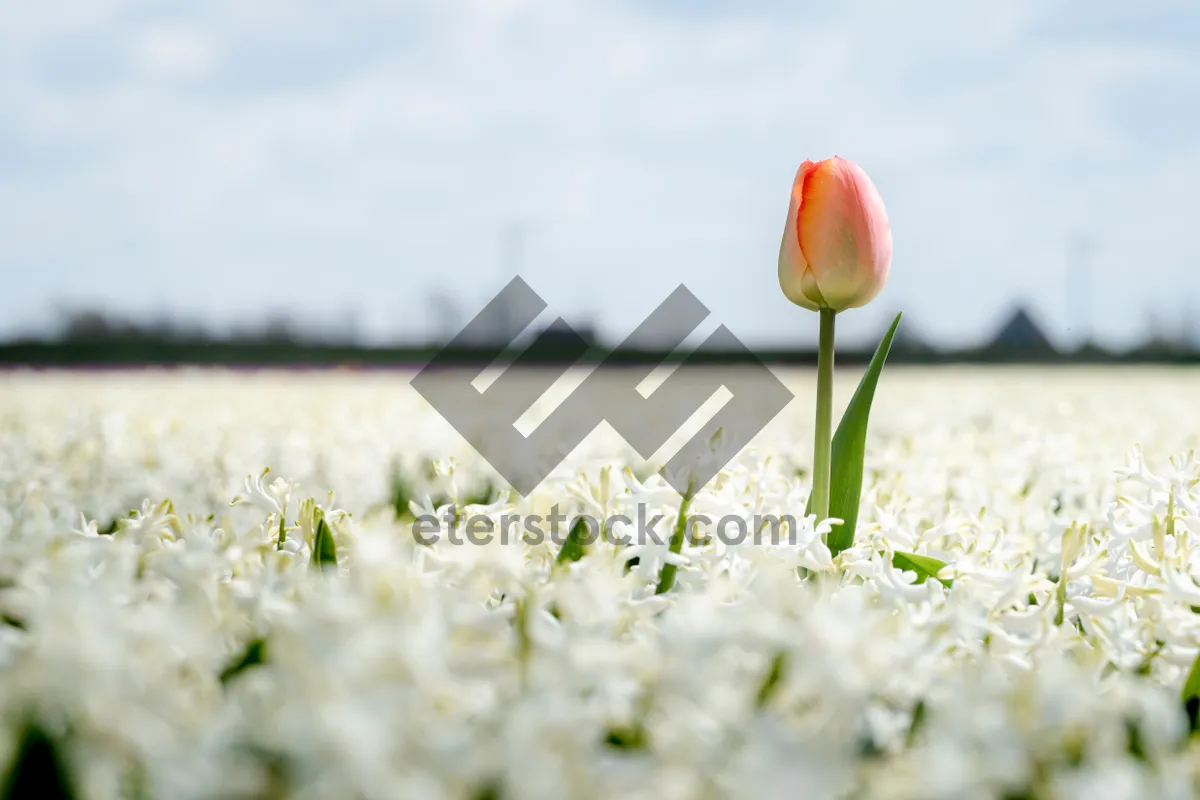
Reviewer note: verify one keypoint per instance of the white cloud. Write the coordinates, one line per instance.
(247, 156)
(175, 54)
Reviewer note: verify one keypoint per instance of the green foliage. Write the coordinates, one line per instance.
(402, 492)
(920, 712)
(481, 494)
(849, 450)
(254, 654)
(1191, 696)
(38, 770)
(1135, 741)
(324, 549)
(521, 628)
(114, 524)
(573, 548)
(666, 578)
(626, 738)
(772, 680)
(278, 771)
(924, 566)
(490, 790)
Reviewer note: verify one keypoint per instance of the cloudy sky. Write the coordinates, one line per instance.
(229, 161)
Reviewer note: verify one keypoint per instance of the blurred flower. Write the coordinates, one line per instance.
(477, 669)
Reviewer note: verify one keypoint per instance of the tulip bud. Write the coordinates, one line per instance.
(837, 245)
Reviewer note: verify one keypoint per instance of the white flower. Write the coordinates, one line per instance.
(1050, 665)
(271, 498)
(652, 556)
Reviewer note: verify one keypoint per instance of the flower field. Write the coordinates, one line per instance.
(178, 624)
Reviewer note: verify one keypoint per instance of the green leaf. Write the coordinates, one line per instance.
(254, 654)
(920, 712)
(490, 790)
(849, 449)
(324, 550)
(924, 566)
(771, 681)
(626, 738)
(573, 548)
(402, 491)
(114, 524)
(1135, 741)
(1191, 696)
(521, 627)
(480, 495)
(38, 770)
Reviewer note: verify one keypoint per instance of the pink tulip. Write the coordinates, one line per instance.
(837, 245)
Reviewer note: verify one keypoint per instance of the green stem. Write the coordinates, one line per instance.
(666, 578)
(824, 429)
(524, 640)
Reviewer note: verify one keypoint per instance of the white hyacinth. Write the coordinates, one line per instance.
(179, 622)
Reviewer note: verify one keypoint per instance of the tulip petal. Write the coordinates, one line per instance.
(793, 267)
(843, 233)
